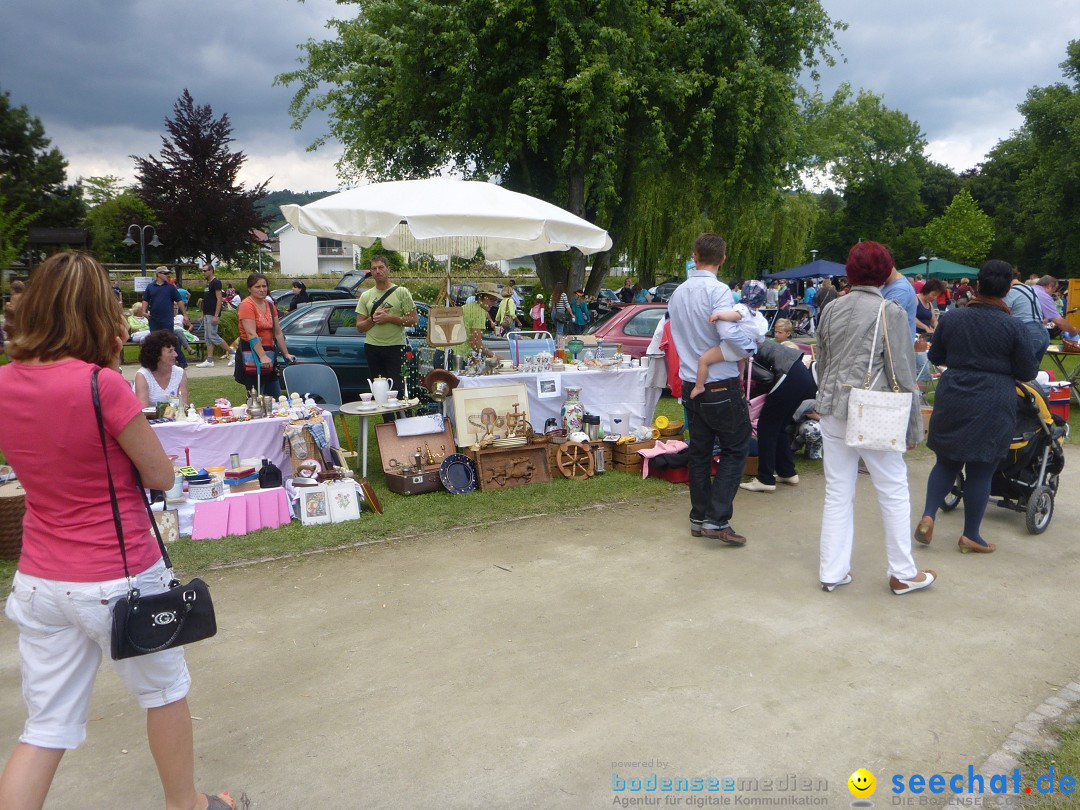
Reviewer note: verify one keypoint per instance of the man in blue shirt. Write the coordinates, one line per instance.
(719, 416)
(160, 297)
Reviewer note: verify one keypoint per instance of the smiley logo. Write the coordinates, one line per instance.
(862, 783)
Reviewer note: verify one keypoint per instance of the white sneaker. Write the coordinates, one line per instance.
(792, 481)
(207, 363)
(756, 486)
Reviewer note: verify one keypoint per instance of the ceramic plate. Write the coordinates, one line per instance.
(458, 474)
(366, 406)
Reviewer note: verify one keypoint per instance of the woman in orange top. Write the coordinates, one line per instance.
(260, 331)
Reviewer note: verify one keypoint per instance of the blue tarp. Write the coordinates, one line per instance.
(822, 268)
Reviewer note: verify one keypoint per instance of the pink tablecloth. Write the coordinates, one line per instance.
(233, 514)
(211, 445)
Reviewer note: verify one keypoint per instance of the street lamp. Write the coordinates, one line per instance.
(813, 255)
(155, 242)
(927, 260)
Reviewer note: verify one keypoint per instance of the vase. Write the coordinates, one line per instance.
(573, 412)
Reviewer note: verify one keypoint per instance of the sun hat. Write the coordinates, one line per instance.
(539, 298)
(488, 289)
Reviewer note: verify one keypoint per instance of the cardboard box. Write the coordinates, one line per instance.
(402, 449)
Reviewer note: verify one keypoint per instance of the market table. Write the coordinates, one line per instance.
(1073, 377)
(603, 392)
(211, 445)
(364, 410)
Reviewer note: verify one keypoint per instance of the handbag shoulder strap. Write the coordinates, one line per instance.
(117, 522)
(873, 344)
(382, 298)
(888, 349)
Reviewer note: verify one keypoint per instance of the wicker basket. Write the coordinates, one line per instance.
(673, 429)
(12, 507)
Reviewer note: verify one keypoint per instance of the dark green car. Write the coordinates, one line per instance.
(325, 332)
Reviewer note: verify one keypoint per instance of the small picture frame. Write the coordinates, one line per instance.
(477, 409)
(344, 503)
(168, 523)
(314, 505)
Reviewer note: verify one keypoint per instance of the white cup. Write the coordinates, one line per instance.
(391, 396)
(365, 397)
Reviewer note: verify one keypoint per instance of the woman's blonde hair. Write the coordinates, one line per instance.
(68, 310)
(784, 324)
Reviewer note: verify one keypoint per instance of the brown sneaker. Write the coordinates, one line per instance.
(924, 532)
(726, 535)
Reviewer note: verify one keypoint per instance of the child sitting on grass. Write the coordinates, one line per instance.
(752, 323)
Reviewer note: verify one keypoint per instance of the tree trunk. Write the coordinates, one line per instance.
(576, 206)
(601, 264)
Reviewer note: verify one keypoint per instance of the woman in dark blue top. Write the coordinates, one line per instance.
(985, 350)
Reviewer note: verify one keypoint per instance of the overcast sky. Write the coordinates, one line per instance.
(102, 76)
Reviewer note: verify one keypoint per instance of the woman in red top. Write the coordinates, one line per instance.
(70, 572)
(260, 332)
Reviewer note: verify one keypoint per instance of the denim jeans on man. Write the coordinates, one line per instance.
(718, 418)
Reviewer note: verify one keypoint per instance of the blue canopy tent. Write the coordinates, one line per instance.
(822, 268)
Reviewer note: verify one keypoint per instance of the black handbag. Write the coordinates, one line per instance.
(147, 624)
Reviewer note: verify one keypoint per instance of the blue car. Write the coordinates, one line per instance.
(325, 332)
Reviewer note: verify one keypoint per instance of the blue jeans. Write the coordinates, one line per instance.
(718, 417)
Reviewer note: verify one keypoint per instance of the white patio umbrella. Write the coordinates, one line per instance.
(441, 216)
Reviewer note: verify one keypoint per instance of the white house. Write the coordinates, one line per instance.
(304, 255)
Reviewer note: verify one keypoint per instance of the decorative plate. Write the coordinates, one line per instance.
(458, 474)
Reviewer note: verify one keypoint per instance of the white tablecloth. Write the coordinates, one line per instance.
(603, 392)
(211, 445)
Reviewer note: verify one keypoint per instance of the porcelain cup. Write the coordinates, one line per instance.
(365, 397)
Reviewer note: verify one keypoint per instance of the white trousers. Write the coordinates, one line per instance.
(888, 472)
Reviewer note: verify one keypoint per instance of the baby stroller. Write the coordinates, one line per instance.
(1027, 480)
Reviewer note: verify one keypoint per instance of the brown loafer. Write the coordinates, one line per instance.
(966, 545)
(924, 532)
(727, 535)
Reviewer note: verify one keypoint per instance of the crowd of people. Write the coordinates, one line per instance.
(982, 336)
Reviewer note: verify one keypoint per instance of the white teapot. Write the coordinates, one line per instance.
(380, 389)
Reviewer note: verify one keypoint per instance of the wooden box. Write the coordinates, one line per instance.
(401, 449)
(628, 453)
(509, 467)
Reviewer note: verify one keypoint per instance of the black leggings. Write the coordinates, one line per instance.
(977, 478)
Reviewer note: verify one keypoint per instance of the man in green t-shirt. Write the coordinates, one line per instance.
(382, 313)
(476, 319)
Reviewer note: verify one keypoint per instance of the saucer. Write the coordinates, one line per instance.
(367, 406)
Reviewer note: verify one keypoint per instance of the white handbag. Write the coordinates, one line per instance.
(878, 420)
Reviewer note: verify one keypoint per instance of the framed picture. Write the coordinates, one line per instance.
(168, 523)
(314, 505)
(344, 505)
(480, 410)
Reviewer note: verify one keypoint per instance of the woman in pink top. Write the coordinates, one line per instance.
(70, 572)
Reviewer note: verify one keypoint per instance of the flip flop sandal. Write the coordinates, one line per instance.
(215, 802)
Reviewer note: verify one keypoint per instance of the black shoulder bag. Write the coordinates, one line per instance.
(148, 624)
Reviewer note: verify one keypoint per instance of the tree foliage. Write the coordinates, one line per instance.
(608, 108)
(14, 222)
(33, 173)
(108, 223)
(874, 156)
(192, 188)
(963, 233)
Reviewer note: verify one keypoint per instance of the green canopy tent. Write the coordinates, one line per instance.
(941, 268)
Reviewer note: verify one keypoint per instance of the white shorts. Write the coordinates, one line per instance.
(64, 629)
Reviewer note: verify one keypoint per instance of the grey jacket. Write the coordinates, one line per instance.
(845, 334)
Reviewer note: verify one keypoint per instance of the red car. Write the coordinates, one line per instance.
(632, 325)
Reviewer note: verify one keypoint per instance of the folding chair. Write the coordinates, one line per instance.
(321, 382)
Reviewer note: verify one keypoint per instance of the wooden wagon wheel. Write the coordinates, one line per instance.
(574, 460)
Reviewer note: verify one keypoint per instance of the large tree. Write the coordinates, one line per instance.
(33, 173)
(874, 156)
(963, 233)
(654, 119)
(192, 188)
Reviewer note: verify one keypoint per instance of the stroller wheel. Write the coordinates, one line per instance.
(952, 500)
(1040, 509)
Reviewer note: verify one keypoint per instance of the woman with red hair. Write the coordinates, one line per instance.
(845, 340)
